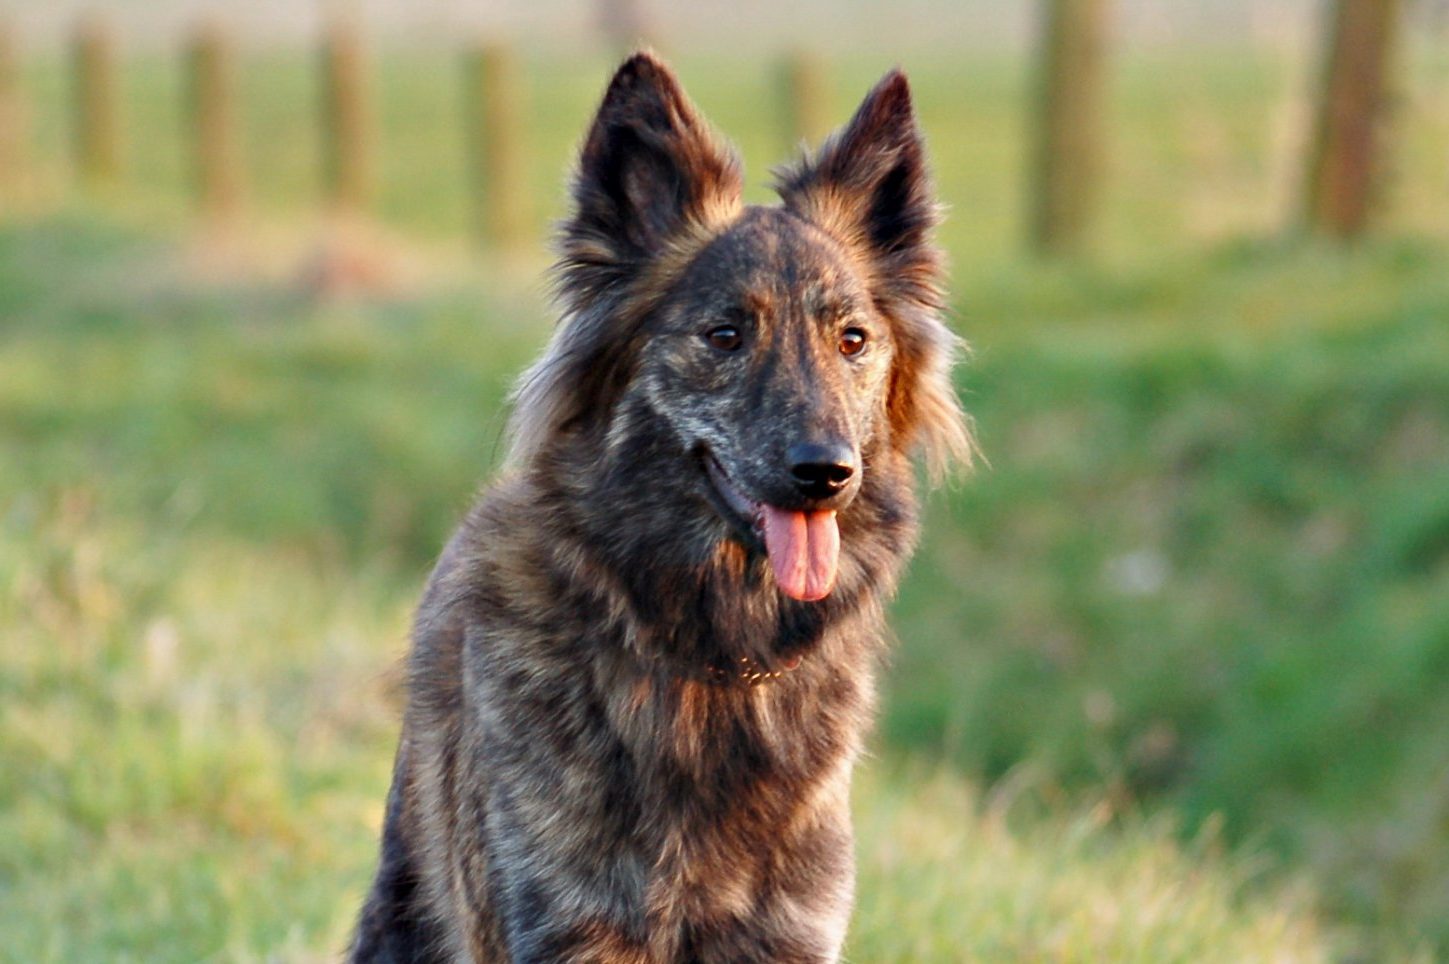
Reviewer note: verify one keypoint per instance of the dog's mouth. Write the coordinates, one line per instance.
(803, 546)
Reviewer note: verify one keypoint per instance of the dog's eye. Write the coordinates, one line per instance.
(852, 341)
(724, 338)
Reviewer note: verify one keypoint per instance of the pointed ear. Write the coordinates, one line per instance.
(650, 172)
(869, 187)
(653, 185)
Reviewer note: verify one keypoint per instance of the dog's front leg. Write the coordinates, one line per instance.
(565, 883)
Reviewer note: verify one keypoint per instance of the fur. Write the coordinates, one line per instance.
(623, 742)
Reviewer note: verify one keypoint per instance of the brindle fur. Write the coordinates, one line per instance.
(623, 743)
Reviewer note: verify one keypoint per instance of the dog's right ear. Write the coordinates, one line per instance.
(651, 173)
(653, 185)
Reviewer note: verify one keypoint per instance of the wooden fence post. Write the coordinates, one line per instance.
(625, 24)
(1345, 161)
(806, 98)
(13, 127)
(1069, 119)
(212, 113)
(497, 163)
(347, 131)
(97, 105)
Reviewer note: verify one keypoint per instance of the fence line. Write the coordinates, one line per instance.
(1341, 170)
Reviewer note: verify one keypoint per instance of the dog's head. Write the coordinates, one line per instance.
(786, 350)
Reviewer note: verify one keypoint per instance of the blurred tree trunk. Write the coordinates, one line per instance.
(13, 127)
(348, 135)
(214, 123)
(805, 95)
(97, 105)
(1345, 162)
(624, 24)
(498, 158)
(1069, 119)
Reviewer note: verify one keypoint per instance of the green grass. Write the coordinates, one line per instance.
(948, 875)
(1212, 568)
(219, 503)
(197, 745)
(1170, 680)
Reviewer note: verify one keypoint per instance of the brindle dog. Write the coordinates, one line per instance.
(642, 669)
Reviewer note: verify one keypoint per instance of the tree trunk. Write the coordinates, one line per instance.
(97, 106)
(347, 121)
(13, 127)
(1069, 125)
(1346, 160)
(806, 97)
(213, 118)
(624, 24)
(497, 159)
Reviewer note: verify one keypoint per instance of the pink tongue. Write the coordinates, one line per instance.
(804, 549)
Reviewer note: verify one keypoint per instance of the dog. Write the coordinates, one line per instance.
(642, 669)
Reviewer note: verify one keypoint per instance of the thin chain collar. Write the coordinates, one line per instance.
(746, 670)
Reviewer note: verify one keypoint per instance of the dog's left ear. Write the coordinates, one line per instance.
(870, 188)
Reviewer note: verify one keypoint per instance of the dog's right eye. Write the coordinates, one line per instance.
(724, 338)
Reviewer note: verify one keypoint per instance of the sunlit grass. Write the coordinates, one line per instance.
(1197, 596)
(951, 875)
(197, 743)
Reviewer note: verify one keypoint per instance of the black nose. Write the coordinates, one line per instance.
(820, 470)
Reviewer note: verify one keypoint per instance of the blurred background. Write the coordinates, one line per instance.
(1172, 681)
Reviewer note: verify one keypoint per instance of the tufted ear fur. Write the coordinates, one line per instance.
(869, 187)
(651, 175)
(653, 185)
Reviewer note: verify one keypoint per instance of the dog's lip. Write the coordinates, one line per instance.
(747, 511)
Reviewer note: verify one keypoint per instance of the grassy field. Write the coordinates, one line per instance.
(1170, 681)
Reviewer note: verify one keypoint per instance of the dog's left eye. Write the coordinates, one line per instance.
(724, 338)
(852, 341)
